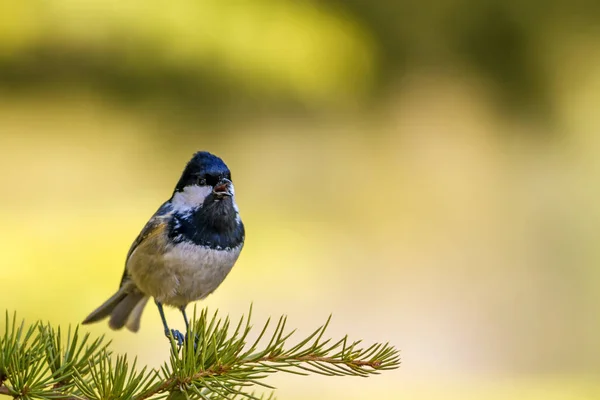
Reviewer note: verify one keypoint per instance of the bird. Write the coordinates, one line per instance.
(184, 252)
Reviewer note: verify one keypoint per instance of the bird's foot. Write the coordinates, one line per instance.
(193, 339)
(178, 336)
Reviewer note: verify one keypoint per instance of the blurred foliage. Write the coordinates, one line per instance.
(211, 55)
(188, 52)
(498, 39)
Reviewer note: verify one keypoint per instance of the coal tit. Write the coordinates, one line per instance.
(185, 250)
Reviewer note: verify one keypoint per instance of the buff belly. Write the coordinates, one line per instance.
(176, 275)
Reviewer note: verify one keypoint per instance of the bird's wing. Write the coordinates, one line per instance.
(154, 226)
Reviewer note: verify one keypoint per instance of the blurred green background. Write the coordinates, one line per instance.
(426, 171)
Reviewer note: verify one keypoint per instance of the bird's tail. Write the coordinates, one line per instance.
(124, 309)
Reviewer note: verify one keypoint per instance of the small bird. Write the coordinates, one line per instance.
(185, 250)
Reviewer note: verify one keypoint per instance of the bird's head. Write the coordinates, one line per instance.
(205, 181)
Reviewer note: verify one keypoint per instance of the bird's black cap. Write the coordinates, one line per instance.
(203, 165)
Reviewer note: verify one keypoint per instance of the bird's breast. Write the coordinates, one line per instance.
(198, 270)
(185, 272)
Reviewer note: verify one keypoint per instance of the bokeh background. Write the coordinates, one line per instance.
(426, 171)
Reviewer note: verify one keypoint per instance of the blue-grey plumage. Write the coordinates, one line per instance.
(185, 250)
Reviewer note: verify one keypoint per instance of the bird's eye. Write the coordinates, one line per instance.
(201, 181)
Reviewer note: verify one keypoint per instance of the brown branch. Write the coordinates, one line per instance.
(222, 370)
(152, 391)
(329, 360)
(166, 384)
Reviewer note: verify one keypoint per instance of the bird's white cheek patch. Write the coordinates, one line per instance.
(190, 197)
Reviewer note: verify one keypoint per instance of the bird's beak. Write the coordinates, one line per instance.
(223, 188)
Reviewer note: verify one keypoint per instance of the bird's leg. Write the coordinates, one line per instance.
(187, 326)
(178, 336)
(185, 318)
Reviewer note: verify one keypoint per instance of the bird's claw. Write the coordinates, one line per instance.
(178, 336)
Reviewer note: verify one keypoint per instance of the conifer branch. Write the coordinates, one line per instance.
(216, 362)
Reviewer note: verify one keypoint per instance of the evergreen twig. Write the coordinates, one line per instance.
(216, 362)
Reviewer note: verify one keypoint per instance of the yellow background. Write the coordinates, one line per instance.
(422, 198)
